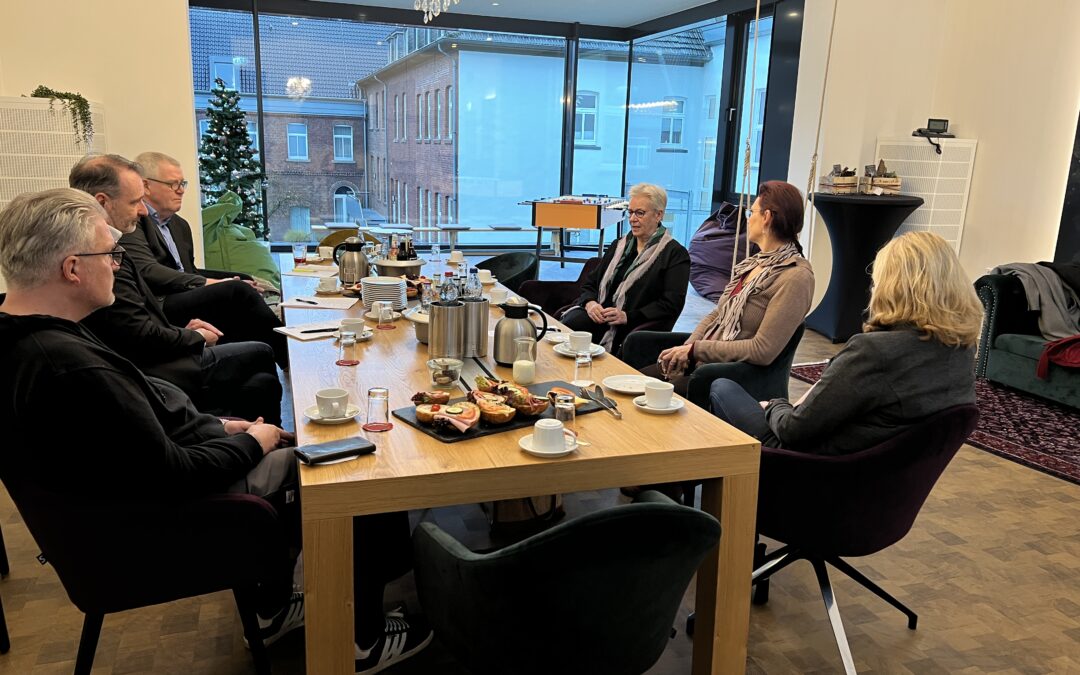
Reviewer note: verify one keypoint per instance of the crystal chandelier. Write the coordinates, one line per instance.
(432, 8)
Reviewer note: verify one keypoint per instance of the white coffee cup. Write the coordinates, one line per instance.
(485, 275)
(658, 394)
(580, 340)
(326, 252)
(353, 325)
(332, 402)
(497, 296)
(456, 256)
(328, 284)
(549, 435)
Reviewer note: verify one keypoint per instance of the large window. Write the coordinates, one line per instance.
(343, 143)
(297, 133)
(755, 84)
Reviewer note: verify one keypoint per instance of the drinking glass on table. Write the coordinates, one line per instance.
(435, 251)
(378, 410)
(566, 412)
(583, 370)
(299, 253)
(386, 317)
(347, 349)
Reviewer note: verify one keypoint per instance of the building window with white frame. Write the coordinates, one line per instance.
(204, 128)
(430, 208)
(297, 141)
(405, 197)
(438, 209)
(253, 134)
(226, 69)
(300, 218)
(397, 117)
(671, 121)
(438, 114)
(450, 114)
(419, 119)
(427, 110)
(420, 206)
(343, 143)
(585, 108)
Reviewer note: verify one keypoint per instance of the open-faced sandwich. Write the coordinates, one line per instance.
(517, 396)
(493, 408)
(431, 397)
(559, 391)
(461, 416)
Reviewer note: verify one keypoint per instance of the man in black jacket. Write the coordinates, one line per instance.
(59, 383)
(162, 249)
(227, 379)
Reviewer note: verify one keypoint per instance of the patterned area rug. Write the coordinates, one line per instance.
(1036, 433)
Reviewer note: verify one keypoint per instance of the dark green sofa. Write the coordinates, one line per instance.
(1011, 343)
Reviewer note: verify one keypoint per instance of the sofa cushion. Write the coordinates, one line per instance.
(1030, 346)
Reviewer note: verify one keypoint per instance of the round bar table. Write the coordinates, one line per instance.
(858, 226)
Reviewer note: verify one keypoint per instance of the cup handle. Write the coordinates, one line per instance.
(571, 434)
(337, 409)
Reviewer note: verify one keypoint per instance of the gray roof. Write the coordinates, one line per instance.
(333, 54)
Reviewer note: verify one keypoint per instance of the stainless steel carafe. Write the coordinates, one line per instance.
(476, 326)
(515, 324)
(446, 330)
(351, 261)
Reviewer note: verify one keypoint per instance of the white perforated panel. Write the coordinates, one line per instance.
(943, 181)
(38, 146)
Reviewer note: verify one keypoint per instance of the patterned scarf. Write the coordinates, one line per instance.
(638, 268)
(728, 321)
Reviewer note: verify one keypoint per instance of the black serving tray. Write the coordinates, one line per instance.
(408, 416)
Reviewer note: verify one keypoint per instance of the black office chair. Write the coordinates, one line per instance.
(597, 594)
(511, 269)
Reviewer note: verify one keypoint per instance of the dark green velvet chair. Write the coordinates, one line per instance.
(512, 269)
(1011, 343)
(597, 594)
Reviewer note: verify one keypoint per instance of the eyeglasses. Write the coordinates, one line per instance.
(750, 212)
(175, 185)
(637, 213)
(117, 254)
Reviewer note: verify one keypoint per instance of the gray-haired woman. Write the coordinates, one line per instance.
(642, 278)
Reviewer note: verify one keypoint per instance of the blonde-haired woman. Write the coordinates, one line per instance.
(915, 357)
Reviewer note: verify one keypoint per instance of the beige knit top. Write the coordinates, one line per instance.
(770, 317)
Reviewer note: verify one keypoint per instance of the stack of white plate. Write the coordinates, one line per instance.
(391, 289)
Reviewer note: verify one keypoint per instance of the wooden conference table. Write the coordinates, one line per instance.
(411, 470)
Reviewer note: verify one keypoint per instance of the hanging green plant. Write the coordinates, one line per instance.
(75, 104)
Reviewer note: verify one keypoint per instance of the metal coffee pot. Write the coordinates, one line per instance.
(351, 261)
(516, 324)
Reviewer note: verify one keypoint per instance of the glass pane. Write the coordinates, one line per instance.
(671, 138)
(752, 126)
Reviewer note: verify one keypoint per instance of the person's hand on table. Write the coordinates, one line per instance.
(595, 311)
(614, 316)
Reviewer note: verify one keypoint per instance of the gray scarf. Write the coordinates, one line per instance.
(728, 321)
(641, 265)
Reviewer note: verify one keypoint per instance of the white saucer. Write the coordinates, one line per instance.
(314, 258)
(360, 337)
(351, 411)
(628, 384)
(372, 316)
(489, 281)
(563, 349)
(527, 446)
(675, 405)
(319, 291)
(556, 338)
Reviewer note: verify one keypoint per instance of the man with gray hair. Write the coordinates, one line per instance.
(227, 379)
(162, 249)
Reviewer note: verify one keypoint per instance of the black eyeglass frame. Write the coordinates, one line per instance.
(174, 185)
(117, 254)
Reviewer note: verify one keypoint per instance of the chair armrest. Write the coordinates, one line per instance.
(550, 295)
(662, 325)
(1005, 311)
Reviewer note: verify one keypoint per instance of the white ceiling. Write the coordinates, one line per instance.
(618, 13)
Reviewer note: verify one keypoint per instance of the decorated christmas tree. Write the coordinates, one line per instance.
(226, 160)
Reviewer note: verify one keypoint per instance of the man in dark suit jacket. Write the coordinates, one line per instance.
(237, 379)
(162, 249)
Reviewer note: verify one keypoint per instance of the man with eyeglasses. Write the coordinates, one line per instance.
(236, 379)
(162, 250)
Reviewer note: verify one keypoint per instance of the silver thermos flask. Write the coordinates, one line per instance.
(446, 330)
(476, 326)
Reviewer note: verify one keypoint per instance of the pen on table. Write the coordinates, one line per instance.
(319, 330)
(307, 302)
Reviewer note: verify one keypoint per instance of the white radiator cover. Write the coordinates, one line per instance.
(943, 181)
(38, 145)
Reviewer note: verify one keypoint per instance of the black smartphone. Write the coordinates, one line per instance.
(319, 453)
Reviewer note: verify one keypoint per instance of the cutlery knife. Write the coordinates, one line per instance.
(589, 395)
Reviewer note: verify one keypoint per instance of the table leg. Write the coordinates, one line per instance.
(328, 596)
(722, 603)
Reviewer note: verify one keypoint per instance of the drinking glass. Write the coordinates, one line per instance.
(386, 318)
(299, 253)
(435, 251)
(378, 410)
(583, 370)
(347, 349)
(565, 411)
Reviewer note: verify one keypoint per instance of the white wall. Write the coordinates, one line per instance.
(132, 56)
(1000, 72)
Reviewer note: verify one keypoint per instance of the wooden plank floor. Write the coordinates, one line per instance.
(992, 566)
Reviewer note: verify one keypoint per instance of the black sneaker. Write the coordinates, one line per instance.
(289, 618)
(401, 640)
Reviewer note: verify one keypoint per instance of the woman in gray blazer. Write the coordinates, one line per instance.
(915, 357)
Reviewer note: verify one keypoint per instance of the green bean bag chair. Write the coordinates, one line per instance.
(227, 246)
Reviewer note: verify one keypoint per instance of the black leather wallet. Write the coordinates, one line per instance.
(319, 453)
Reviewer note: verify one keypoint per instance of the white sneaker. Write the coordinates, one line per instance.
(400, 641)
(289, 618)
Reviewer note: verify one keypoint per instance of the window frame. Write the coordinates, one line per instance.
(341, 159)
(668, 115)
(233, 83)
(290, 134)
(582, 112)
